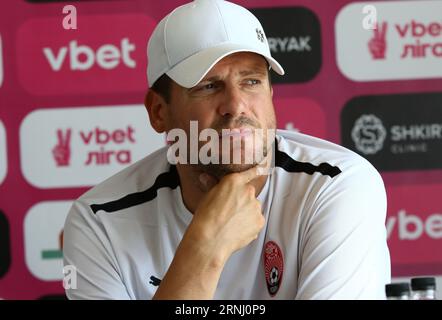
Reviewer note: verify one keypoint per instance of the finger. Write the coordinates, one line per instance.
(68, 137)
(248, 175)
(60, 136)
(376, 31)
(383, 29)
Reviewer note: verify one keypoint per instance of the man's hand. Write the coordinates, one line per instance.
(228, 218)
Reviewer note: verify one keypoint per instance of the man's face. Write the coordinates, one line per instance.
(235, 94)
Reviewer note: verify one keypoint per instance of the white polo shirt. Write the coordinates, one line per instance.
(324, 237)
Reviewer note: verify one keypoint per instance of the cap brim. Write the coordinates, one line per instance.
(192, 70)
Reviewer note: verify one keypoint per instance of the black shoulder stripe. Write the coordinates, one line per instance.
(168, 179)
(290, 165)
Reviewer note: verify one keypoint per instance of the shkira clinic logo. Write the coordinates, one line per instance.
(395, 132)
(368, 134)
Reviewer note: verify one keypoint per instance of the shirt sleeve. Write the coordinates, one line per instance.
(344, 253)
(94, 272)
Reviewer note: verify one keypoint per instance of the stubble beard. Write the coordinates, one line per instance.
(220, 169)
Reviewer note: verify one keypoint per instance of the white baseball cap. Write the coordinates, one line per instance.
(191, 39)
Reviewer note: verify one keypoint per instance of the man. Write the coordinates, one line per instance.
(310, 227)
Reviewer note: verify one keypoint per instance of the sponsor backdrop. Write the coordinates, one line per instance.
(71, 112)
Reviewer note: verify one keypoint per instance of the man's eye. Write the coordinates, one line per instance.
(204, 87)
(209, 86)
(253, 82)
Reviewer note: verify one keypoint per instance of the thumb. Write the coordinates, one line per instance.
(207, 181)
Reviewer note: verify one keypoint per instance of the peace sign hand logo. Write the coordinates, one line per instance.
(62, 150)
(377, 44)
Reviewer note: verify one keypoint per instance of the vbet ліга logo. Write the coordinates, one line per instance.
(406, 44)
(88, 59)
(395, 132)
(83, 146)
(294, 38)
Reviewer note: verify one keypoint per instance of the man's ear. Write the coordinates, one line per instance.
(156, 107)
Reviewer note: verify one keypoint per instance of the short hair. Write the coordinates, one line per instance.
(164, 84)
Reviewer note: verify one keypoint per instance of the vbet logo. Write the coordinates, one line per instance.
(3, 155)
(395, 132)
(107, 54)
(414, 228)
(406, 44)
(43, 232)
(83, 146)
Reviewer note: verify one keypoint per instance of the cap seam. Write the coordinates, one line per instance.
(164, 34)
(222, 19)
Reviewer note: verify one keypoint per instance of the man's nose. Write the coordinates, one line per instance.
(234, 102)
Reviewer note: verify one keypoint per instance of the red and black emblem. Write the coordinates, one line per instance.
(273, 267)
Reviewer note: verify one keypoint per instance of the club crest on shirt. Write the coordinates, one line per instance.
(273, 267)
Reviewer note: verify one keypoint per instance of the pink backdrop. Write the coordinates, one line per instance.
(44, 90)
